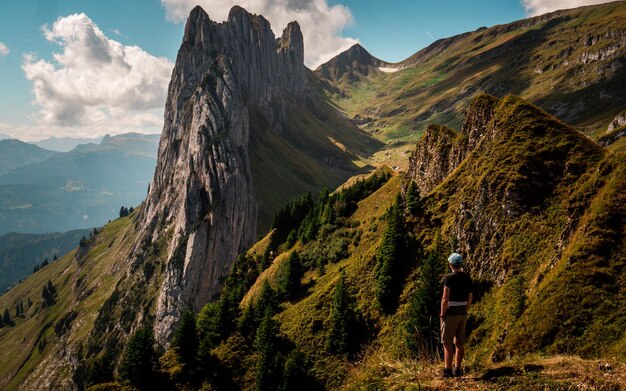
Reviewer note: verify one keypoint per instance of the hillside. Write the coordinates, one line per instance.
(14, 154)
(20, 253)
(34, 350)
(79, 189)
(570, 63)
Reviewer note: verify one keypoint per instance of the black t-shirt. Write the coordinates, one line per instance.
(460, 284)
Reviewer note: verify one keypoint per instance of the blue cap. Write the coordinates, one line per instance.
(455, 259)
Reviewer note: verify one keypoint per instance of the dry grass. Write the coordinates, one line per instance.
(382, 372)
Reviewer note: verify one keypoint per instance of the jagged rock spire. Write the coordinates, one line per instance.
(202, 200)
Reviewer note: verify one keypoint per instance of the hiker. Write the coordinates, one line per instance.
(456, 299)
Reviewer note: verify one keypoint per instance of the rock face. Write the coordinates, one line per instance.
(201, 201)
(510, 163)
(441, 150)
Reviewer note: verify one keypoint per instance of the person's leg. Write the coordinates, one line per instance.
(458, 358)
(447, 355)
(459, 344)
(447, 336)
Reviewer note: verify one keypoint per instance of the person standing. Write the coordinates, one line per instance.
(456, 299)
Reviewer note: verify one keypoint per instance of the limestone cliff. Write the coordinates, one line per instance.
(202, 199)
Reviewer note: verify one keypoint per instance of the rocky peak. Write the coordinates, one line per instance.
(441, 150)
(202, 201)
(353, 64)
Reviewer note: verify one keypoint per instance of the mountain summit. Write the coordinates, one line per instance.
(353, 64)
(202, 197)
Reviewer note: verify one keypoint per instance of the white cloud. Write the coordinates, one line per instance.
(321, 24)
(4, 50)
(95, 82)
(539, 7)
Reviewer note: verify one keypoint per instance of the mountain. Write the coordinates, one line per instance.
(20, 253)
(79, 189)
(14, 154)
(353, 65)
(240, 122)
(571, 63)
(65, 144)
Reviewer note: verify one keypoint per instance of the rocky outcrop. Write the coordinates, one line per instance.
(510, 161)
(201, 202)
(441, 150)
(618, 122)
(615, 130)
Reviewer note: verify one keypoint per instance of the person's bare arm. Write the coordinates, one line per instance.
(444, 301)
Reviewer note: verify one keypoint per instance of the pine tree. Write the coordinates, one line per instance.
(294, 373)
(413, 200)
(136, 365)
(289, 276)
(185, 341)
(268, 361)
(209, 328)
(266, 299)
(47, 298)
(6, 318)
(291, 239)
(422, 324)
(343, 324)
(389, 265)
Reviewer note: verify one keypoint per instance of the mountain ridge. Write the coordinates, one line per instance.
(568, 62)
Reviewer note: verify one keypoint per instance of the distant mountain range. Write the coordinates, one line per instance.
(78, 189)
(4, 136)
(15, 153)
(64, 144)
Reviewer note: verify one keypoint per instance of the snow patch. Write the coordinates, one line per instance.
(388, 70)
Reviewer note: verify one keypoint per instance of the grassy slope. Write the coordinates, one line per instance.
(83, 283)
(532, 60)
(318, 148)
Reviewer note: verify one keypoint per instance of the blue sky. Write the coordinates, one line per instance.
(42, 95)
(394, 29)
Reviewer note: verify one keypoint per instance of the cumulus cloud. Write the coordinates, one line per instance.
(97, 82)
(4, 50)
(538, 7)
(321, 24)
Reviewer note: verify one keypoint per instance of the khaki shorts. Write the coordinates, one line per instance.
(453, 328)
